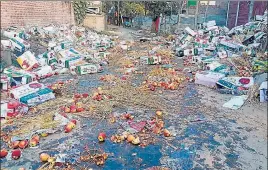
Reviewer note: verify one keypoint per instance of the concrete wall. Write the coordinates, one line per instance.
(22, 13)
(96, 22)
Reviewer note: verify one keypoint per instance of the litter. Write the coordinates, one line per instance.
(236, 102)
(207, 78)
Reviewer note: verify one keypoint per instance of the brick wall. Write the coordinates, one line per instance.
(24, 13)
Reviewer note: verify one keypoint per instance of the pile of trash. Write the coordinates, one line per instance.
(31, 54)
(64, 49)
(228, 60)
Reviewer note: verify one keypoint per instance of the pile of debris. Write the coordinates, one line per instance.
(31, 54)
(229, 60)
(65, 49)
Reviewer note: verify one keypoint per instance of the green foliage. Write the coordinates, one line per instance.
(132, 9)
(80, 8)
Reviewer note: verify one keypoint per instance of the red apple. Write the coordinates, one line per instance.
(72, 107)
(16, 154)
(74, 121)
(73, 110)
(68, 128)
(33, 142)
(23, 144)
(102, 136)
(3, 153)
(99, 98)
(15, 144)
(85, 95)
(77, 95)
(127, 116)
(152, 88)
(80, 109)
(166, 133)
(36, 137)
(71, 124)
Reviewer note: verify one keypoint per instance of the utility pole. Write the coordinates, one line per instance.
(196, 15)
(237, 13)
(206, 11)
(227, 15)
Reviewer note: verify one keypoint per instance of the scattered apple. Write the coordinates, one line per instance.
(152, 88)
(80, 109)
(23, 144)
(95, 94)
(127, 116)
(72, 107)
(79, 104)
(160, 124)
(85, 95)
(156, 130)
(130, 138)
(73, 110)
(99, 98)
(36, 137)
(74, 121)
(3, 153)
(15, 144)
(16, 154)
(67, 129)
(21, 168)
(159, 113)
(71, 124)
(77, 95)
(67, 110)
(33, 142)
(166, 133)
(44, 134)
(136, 141)
(44, 157)
(102, 136)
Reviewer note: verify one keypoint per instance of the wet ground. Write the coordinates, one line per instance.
(205, 135)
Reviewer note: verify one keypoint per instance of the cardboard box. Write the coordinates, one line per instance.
(87, 69)
(4, 82)
(43, 72)
(32, 94)
(19, 77)
(208, 78)
(68, 58)
(19, 46)
(11, 108)
(151, 60)
(27, 61)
